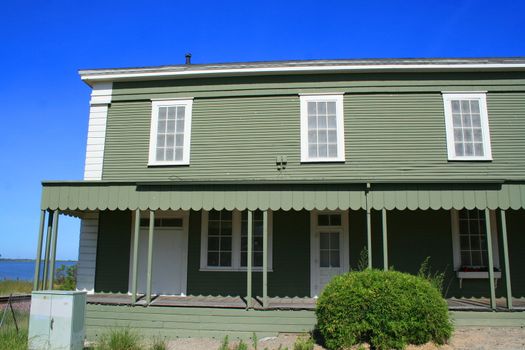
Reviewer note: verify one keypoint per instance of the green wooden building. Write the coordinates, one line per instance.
(223, 197)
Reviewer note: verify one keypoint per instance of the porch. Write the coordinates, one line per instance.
(274, 303)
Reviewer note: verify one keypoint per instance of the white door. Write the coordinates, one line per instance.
(169, 261)
(329, 248)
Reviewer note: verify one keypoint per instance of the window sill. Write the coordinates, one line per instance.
(168, 164)
(470, 159)
(461, 275)
(322, 161)
(231, 269)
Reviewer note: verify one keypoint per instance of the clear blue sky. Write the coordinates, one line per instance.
(44, 105)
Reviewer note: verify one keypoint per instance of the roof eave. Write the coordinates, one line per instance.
(162, 73)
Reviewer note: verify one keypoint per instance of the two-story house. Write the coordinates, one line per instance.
(215, 188)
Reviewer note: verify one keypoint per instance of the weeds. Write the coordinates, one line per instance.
(436, 279)
(15, 287)
(119, 339)
(303, 344)
(9, 337)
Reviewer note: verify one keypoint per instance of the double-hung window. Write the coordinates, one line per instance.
(322, 130)
(466, 119)
(224, 240)
(170, 132)
(470, 240)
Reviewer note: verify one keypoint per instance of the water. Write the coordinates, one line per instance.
(24, 270)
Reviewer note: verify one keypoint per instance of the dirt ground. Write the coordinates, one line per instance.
(467, 338)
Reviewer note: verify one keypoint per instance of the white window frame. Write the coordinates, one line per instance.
(448, 97)
(155, 105)
(456, 244)
(236, 244)
(329, 97)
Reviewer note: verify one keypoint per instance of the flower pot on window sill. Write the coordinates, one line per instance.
(476, 275)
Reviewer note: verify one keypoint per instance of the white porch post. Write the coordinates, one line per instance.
(53, 252)
(135, 257)
(150, 256)
(490, 257)
(265, 259)
(506, 258)
(385, 242)
(249, 260)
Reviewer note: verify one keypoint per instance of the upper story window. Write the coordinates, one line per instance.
(322, 129)
(170, 132)
(466, 119)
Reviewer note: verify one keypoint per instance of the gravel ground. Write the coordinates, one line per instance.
(467, 338)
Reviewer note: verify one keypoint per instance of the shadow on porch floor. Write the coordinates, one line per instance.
(277, 303)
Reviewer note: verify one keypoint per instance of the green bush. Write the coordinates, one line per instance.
(387, 309)
(66, 277)
(119, 339)
(303, 344)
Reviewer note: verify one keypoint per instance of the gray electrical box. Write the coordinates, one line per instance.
(57, 320)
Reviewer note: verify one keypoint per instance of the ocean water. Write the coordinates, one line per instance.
(24, 270)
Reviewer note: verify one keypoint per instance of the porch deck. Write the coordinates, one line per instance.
(277, 303)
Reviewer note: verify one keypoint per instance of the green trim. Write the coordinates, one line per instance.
(48, 248)
(135, 257)
(249, 261)
(36, 277)
(488, 230)
(53, 253)
(150, 254)
(506, 258)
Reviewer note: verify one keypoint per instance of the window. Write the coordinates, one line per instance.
(170, 132)
(470, 240)
(220, 230)
(322, 130)
(329, 249)
(224, 240)
(466, 120)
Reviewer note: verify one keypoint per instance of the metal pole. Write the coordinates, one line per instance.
(491, 261)
(48, 247)
(249, 259)
(135, 257)
(506, 258)
(150, 255)
(265, 259)
(385, 242)
(36, 277)
(53, 253)
(369, 236)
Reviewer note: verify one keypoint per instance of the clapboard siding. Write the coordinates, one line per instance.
(394, 135)
(87, 253)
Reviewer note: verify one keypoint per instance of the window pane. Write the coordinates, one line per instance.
(458, 134)
(322, 136)
(474, 106)
(324, 239)
(170, 141)
(169, 154)
(180, 112)
(476, 120)
(334, 258)
(179, 140)
(459, 149)
(322, 120)
(332, 136)
(160, 154)
(464, 242)
(244, 259)
(477, 135)
(171, 113)
(226, 243)
(455, 106)
(213, 243)
(321, 108)
(335, 220)
(332, 150)
(226, 259)
(258, 259)
(465, 258)
(312, 122)
(478, 149)
(476, 258)
(178, 153)
(244, 243)
(226, 228)
(469, 149)
(312, 110)
(170, 126)
(325, 258)
(323, 151)
(334, 240)
(465, 107)
(467, 135)
(312, 151)
(161, 126)
(213, 259)
(465, 119)
(331, 108)
(214, 228)
(456, 120)
(332, 122)
(323, 220)
(257, 243)
(226, 215)
(312, 136)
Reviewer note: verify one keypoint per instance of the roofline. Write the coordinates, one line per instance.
(301, 67)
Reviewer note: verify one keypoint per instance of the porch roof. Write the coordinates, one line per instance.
(103, 195)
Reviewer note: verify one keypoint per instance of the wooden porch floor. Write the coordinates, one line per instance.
(277, 303)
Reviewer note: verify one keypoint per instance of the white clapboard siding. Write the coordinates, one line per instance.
(87, 253)
(98, 113)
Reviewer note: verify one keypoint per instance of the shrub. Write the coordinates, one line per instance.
(119, 339)
(387, 309)
(303, 344)
(66, 277)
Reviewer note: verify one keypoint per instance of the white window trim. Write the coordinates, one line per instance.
(456, 244)
(485, 130)
(338, 98)
(155, 104)
(236, 244)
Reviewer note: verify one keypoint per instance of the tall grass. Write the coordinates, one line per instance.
(9, 338)
(15, 287)
(128, 339)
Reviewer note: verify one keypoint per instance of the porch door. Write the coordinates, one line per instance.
(169, 261)
(329, 248)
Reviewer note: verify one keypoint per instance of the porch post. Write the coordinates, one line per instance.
(36, 278)
(490, 257)
(506, 258)
(385, 242)
(48, 247)
(265, 259)
(53, 253)
(135, 257)
(369, 236)
(150, 255)
(249, 259)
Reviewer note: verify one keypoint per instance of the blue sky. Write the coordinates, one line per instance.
(43, 44)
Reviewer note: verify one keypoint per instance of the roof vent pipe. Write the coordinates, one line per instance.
(188, 58)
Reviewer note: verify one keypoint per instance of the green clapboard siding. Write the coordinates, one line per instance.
(113, 245)
(397, 133)
(291, 261)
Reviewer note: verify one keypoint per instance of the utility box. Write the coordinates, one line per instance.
(56, 320)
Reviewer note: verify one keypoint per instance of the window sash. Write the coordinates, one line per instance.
(472, 238)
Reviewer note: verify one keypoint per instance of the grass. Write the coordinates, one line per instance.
(9, 338)
(15, 287)
(128, 339)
